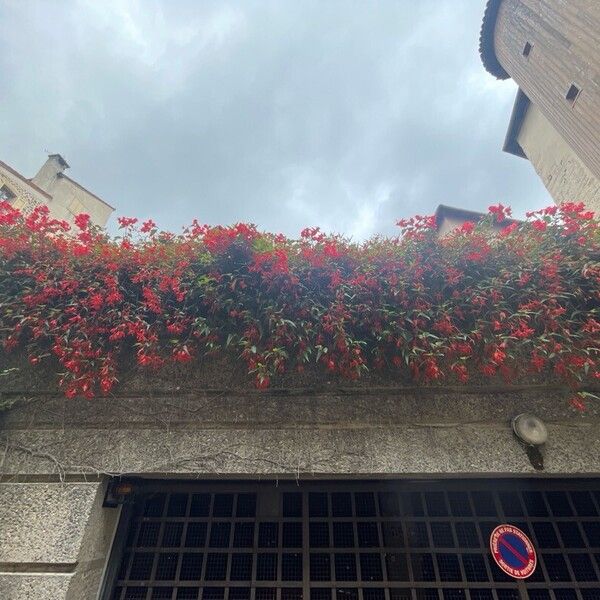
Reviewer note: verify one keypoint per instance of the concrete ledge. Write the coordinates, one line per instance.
(43, 523)
(475, 449)
(33, 587)
(385, 407)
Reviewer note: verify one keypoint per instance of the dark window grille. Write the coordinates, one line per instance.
(441, 534)
(246, 505)
(223, 505)
(148, 535)
(243, 535)
(368, 535)
(266, 567)
(216, 567)
(291, 567)
(241, 567)
(172, 535)
(341, 504)
(200, 506)
(357, 541)
(177, 505)
(292, 504)
(292, 535)
(318, 534)
(195, 536)
(345, 567)
(219, 535)
(167, 566)
(319, 567)
(459, 504)
(343, 535)
(318, 504)
(191, 567)
(267, 535)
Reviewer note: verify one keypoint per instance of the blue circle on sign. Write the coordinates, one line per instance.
(513, 550)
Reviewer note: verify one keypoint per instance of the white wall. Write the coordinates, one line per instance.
(564, 175)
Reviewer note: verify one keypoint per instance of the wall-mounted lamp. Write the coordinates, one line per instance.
(118, 492)
(530, 429)
(532, 433)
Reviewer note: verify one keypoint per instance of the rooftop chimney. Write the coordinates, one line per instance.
(49, 171)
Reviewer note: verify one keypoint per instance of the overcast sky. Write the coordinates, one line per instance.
(347, 115)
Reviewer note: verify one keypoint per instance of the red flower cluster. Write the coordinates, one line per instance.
(485, 300)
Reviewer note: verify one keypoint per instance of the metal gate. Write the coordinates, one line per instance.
(356, 541)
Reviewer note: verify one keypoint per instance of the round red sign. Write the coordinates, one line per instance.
(513, 551)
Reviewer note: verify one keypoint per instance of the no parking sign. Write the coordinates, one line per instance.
(513, 551)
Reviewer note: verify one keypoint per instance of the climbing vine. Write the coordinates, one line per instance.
(490, 299)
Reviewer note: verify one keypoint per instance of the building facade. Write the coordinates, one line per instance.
(53, 188)
(550, 49)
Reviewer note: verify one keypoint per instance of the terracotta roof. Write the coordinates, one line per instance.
(486, 41)
(85, 190)
(25, 180)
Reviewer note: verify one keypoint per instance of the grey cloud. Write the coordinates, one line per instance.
(346, 115)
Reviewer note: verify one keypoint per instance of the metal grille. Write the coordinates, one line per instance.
(358, 541)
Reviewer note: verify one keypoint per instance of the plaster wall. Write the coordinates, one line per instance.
(562, 172)
(70, 200)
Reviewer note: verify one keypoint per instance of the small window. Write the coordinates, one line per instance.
(6, 194)
(527, 49)
(572, 93)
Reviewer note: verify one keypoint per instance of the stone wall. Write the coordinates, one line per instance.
(55, 539)
(57, 455)
(26, 197)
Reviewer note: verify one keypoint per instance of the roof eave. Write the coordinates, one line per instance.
(487, 50)
(511, 143)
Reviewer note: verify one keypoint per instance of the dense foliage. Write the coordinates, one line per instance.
(491, 299)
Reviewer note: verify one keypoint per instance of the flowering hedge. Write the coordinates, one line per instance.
(487, 300)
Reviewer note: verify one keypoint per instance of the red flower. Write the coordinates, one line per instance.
(262, 382)
(461, 372)
(148, 226)
(508, 229)
(125, 222)
(537, 363)
(82, 221)
(96, 301)
(498, 356)
(540, 225)
(500, 211)
(80, 249)
(577, 403)
(424, 306)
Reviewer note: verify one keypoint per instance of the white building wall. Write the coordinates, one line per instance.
(562, 172)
